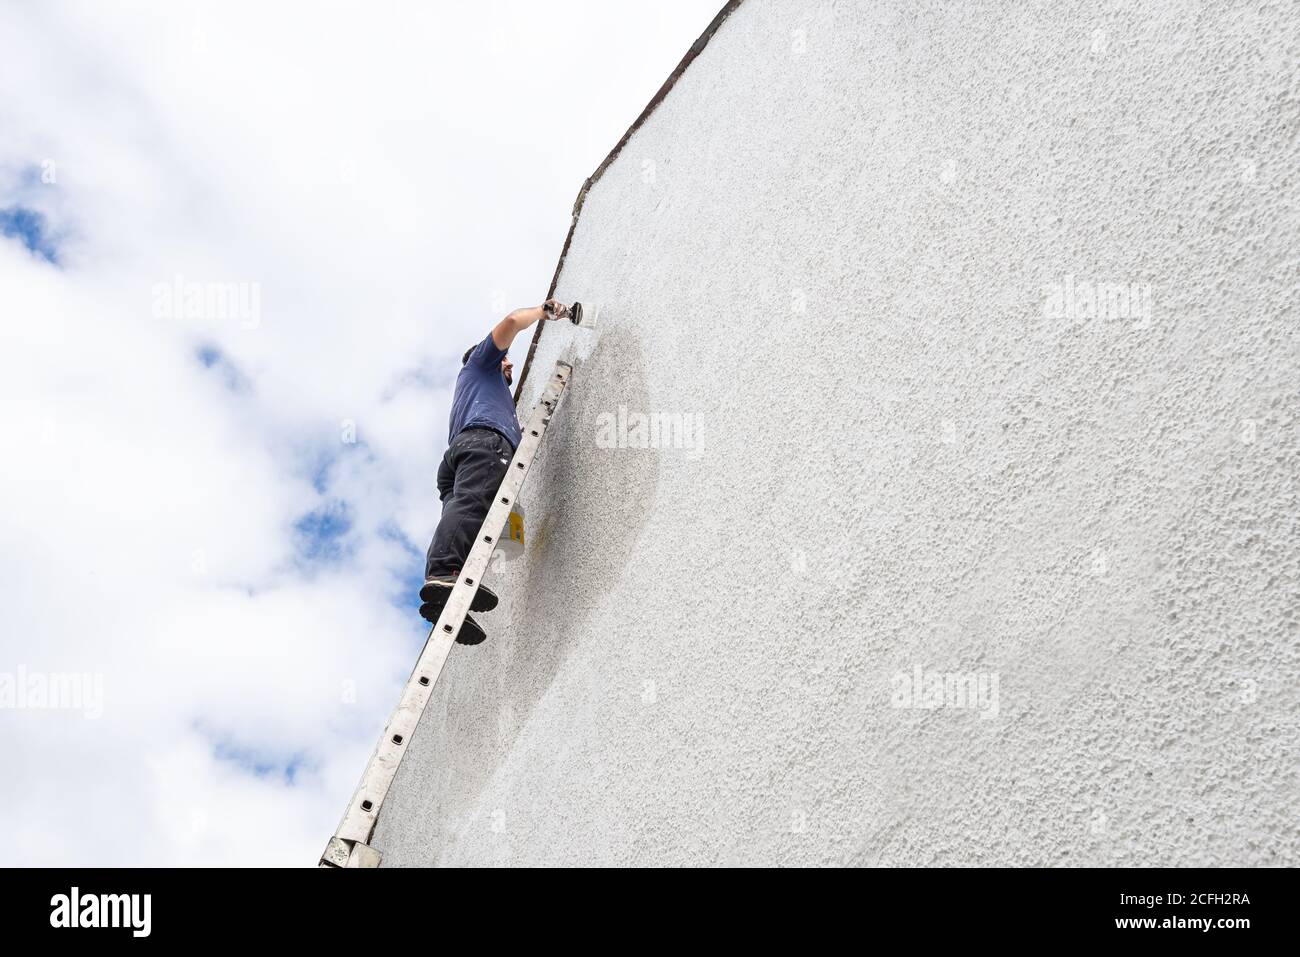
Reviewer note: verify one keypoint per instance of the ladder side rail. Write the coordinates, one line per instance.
(348, 847)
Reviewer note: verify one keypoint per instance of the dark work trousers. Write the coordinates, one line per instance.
(468, 478)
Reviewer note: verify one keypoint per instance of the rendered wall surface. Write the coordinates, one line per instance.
(856, 243)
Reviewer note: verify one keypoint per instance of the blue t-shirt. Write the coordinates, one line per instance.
(482, 397)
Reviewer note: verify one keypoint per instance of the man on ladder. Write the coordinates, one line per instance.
(482, 438)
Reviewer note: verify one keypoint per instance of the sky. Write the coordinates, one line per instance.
(243, 247)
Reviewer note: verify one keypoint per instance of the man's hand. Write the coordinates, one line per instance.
(555, 309)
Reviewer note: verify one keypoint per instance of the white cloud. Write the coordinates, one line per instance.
(381, 172)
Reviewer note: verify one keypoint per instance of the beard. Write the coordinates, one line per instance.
(510, 380)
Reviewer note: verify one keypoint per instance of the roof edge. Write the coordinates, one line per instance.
(700, 43)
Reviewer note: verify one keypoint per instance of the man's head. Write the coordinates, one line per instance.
(507, 367)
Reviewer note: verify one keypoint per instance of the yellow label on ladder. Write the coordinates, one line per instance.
(515, 525)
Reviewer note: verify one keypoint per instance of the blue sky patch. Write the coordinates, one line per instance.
(211, 357)
(322, 533)
(411, 575)
(259, 764)
(31, 228)
(320, 476)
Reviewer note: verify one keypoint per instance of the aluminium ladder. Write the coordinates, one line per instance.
(350, 847)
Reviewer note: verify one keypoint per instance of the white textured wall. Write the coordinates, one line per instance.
(841, 260)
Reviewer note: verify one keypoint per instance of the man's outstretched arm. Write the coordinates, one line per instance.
(504, 332)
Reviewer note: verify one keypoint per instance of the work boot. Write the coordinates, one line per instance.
(437, 588)
(471, 632)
